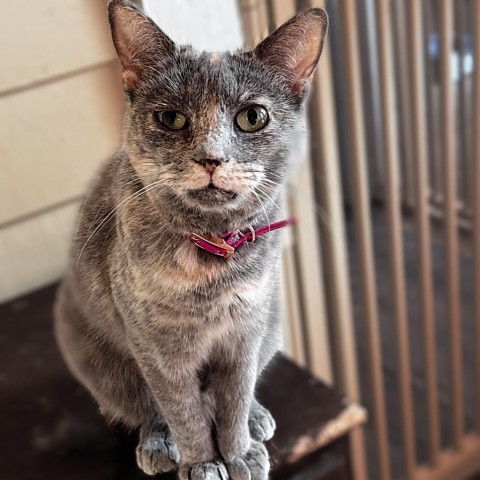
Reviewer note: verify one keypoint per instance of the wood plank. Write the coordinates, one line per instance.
(41, 39)
(36, 252)
(54, 138)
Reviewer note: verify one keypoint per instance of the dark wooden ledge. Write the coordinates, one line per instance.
(50, 428)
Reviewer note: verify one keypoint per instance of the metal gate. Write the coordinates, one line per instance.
(395, 147)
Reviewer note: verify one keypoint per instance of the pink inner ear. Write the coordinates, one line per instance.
(305, 69)
(308, 54)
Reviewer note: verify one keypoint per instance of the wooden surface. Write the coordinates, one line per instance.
(51, 428)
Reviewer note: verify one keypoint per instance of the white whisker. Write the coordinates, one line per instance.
(263, 207)
(261, 190)
(131, 197)
(105, 202)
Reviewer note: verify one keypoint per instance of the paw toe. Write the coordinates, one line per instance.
(238, 469)
(261, 425)
(252, 466)
(158, 453)
(209, 471)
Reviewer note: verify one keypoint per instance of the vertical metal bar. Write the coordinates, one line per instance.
(404, 104)
(395, 234)
(361, 207)
(367, 42)
(463, 150)
(431, 104)
(310, 276)
(416, 71)
(334, 248)
(451, 228)
(292, 307)
(476, 207)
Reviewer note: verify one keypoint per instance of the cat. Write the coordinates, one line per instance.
(169, 338)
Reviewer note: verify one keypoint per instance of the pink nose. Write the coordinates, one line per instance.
(209, 164)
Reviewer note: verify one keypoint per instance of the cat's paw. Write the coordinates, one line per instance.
(204, 471)
(254, 465)
(157, 452)
(261, 423)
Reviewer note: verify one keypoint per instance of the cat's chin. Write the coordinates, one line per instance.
(211, 196)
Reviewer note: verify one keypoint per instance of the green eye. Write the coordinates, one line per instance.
(172, 120)
(252, 119)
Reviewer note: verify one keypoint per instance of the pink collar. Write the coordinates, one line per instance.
(225, 245)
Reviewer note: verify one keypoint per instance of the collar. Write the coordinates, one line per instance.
(225, 245)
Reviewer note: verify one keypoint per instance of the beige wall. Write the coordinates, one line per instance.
(60, 114)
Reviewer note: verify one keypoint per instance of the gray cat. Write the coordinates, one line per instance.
(169, 338)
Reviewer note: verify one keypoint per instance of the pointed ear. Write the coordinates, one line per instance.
(139, 42)
(294, 48)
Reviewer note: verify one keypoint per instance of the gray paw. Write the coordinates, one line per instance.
(207, 471)
(261, 423)
(157, 452)
(254, 465)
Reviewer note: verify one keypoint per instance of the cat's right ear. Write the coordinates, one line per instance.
(139, 42)
(294, 48)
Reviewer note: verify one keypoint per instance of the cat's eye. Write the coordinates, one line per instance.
(252, 119)
(172, 119)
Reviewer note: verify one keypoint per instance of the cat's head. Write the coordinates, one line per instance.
(215, 130)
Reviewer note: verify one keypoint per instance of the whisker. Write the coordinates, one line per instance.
(105, 202)
(261, 190)
(130, 197)
(268, 183)
(263, 207)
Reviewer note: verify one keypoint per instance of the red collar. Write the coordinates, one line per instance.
(225, 245)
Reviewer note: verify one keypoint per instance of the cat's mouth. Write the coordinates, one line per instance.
(212, 194)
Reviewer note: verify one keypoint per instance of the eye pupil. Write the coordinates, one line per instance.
(252, 116)
(252, 119)
(169, 118)
(172, 119)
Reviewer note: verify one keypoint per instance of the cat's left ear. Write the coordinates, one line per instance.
(139, 42)
(294, 48)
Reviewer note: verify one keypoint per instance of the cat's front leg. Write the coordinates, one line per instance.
(232, 385)
(177, 392)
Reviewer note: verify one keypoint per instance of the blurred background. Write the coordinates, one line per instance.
(379, 277)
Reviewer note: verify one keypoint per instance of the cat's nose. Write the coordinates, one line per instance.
(209, 164)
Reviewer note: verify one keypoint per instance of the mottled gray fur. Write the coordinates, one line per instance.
(168, 338)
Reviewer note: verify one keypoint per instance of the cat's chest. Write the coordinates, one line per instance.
(179, 268)
(184, 273)
(182, 297)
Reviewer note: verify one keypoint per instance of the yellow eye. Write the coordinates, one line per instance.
(172, 120)
(252, 119)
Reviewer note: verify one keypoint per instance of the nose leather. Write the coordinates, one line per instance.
(209, 164)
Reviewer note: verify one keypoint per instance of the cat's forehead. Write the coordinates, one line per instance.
(202, 78)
